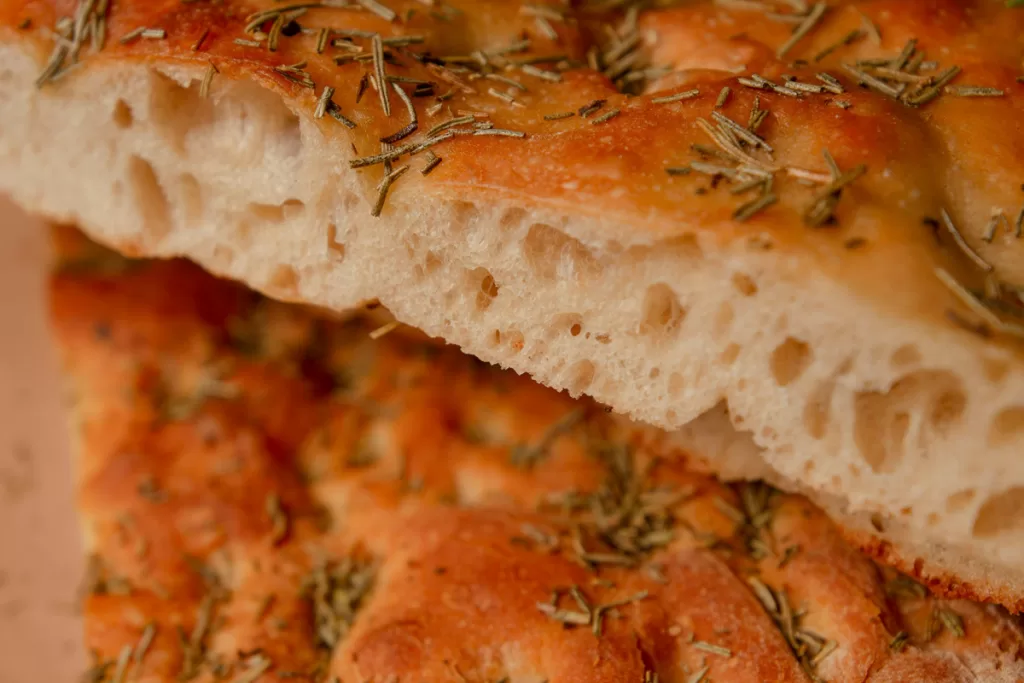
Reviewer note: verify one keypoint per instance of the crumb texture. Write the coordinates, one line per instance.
(268, 493)
(671, 209)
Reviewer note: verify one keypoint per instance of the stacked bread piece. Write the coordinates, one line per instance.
(803, 219)
(269, 494)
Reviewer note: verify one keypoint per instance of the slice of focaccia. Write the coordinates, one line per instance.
(271, 495)
(808, 212)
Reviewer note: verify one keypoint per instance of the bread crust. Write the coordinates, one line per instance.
(571, 253)
(196, 404)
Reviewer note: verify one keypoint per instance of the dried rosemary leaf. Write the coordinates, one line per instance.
(196, 46)
(741, 132)
(750, 209)
(552, 76)
(384, 188)
(122, 664)
(384, 329)
(685, 95)
(381, 10)
(432, 161)
(377, 48)
(974, 91)
(849, 38)
(723, 96)
(699, 675)
(204, 86)
(713, 649)
(827, 649)
(607, 116)
(953, 622)
(410, 127)
(501, 132)
(527, 456)
(588, 109)
(966, 248)
(806, 26)
(145, 640)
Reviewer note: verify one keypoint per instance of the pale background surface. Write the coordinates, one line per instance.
(40, 551)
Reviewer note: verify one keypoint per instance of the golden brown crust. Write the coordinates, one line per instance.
(236, 453)
(941, 582)
(854, 416)
(957, 153)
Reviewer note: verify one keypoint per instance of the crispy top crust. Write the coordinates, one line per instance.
(270, 494)
(927, 138)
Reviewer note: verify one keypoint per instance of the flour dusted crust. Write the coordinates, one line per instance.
(268, 494)
(601, 252)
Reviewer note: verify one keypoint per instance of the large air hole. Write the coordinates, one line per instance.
(1007, 428)
(730, 353)
(1001, 513)
(581, 376)
(463, 216)
(150, 199)
(485, 289)
(550, 253)
(277, 213)
(284, 280)
(251, 127)
(934, 400)
(789, 361)
(744, 284)
(334, 245)
(512, 218)
(123, 117)
(905, 356)
(662, 315)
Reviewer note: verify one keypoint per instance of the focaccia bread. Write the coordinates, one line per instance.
(808, 214)
(269, 495)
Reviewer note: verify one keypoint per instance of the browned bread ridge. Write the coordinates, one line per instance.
(806, 212)
(270, 495)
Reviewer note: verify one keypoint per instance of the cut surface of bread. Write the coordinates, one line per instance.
(271, 495)
(810, 219)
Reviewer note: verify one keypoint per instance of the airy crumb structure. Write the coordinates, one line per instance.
(805, 215)
(271, 495)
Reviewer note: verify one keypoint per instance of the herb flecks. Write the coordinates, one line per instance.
(526, 456)
(583, 612)
(336, 591)
(809, 22)
(966, 248)
(906, 77)
(988, 305)
(822, 208)
(194, 644)
(87, 23)
(621, 56)
(810, 648)
(384, 187)
(624, 520)
(677, 97)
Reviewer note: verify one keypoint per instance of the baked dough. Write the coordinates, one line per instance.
(602, 252)
(268, 492)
